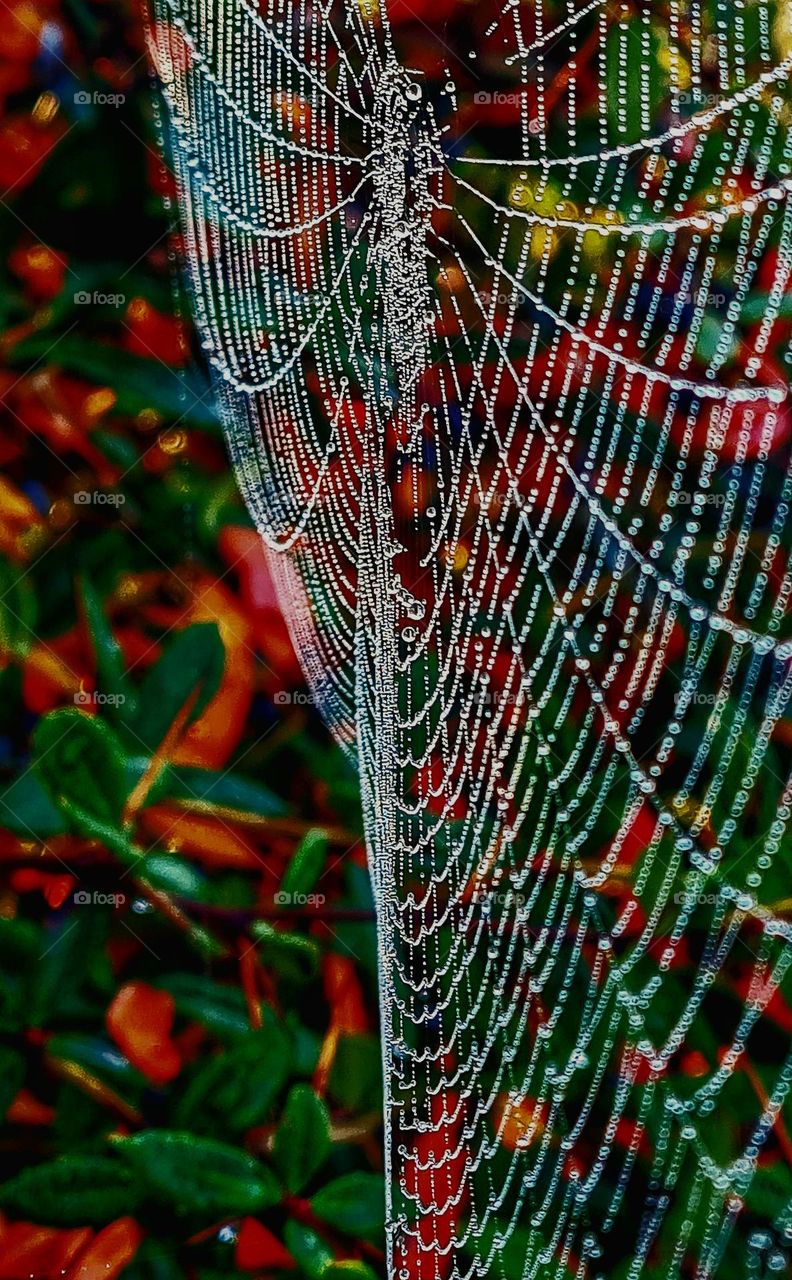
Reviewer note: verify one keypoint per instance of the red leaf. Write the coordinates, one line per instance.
(27, 1109)
(257, 1247)
(153, 334)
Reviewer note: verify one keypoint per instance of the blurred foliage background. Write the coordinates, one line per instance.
(190, 1070)
(189, 1064)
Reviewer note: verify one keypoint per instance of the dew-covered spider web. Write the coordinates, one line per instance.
(498, 307)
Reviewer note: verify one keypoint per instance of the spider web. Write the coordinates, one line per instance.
(500, 343)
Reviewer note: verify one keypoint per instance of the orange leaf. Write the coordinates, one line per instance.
(109, 1253)
(344, 994)
(27, 1249)
(214, 843)
(140, 1019)
(211, 739)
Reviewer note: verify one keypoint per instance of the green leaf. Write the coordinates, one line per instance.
(354, 1203)
(755, 308)
(307, 864)
(27, 810)
(632, 50)
(156, 1259)
(222, 1009)
(72, 1191)
(100, 1056)
(191, 667)
(356, 1077)
(20, 941)
(112, 679)
(234, 1090)
(198, 1175)
(290, 955)
(302, 1141)
(70, 948)
(224, 789)
(349, 1269)
(306, 1046)
(81, 763)
(174, 875)
(18, 611)
(12, 1077)
(309, 1250)
(138, 382)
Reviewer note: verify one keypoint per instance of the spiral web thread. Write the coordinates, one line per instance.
(507, 398)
